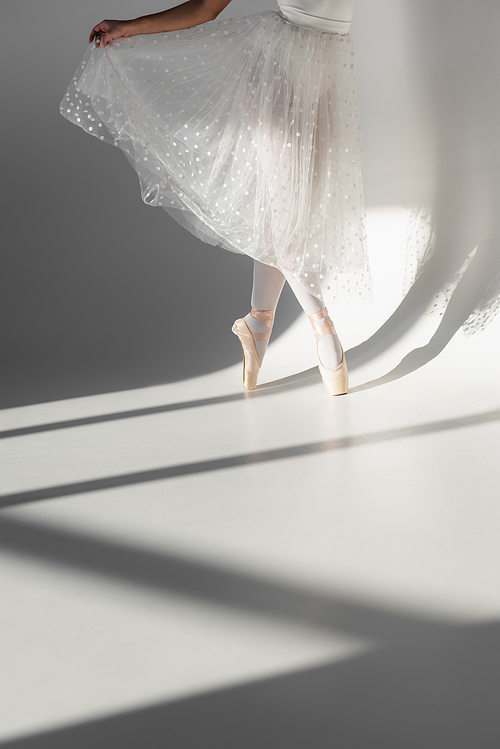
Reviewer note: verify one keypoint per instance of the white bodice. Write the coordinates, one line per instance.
(334, 16)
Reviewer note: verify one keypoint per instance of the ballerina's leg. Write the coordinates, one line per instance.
(280, 171)
(329, 346)
(267, 285)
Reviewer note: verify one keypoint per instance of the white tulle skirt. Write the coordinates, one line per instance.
(246, 132)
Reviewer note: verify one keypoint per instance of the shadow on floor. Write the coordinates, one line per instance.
(304, 379)
(438, 693)
(242, 460)
(427, 684)
(163, 573)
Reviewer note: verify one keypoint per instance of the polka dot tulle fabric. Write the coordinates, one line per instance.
(246, 132)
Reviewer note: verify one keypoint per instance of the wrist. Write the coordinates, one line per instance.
(137, 26)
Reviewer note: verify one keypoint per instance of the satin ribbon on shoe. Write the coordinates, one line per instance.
(265, 316)
(251, 361)
(335, 380)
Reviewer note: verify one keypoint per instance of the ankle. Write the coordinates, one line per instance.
(265, 316)
(322, 324)
(329, 348)
(260, 323)
(320, 318)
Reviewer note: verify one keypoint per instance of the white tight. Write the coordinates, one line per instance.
(281, 175)
(268, 283)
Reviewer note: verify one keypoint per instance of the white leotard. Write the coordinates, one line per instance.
(334, 16)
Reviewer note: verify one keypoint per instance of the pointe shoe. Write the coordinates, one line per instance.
(335, 380)
(251, 361)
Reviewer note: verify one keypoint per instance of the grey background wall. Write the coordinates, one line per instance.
(88, 300)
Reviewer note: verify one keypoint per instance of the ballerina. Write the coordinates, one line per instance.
(245, 131)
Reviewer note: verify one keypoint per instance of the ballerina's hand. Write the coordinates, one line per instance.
(105, 31)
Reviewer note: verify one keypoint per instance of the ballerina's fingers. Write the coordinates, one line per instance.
(102, 40)
(106, 31)
(105, 39)
(98, 31)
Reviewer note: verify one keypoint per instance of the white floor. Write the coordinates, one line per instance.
(201, 538)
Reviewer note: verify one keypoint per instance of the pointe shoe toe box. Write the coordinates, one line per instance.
(336, 380)
(251, 362)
